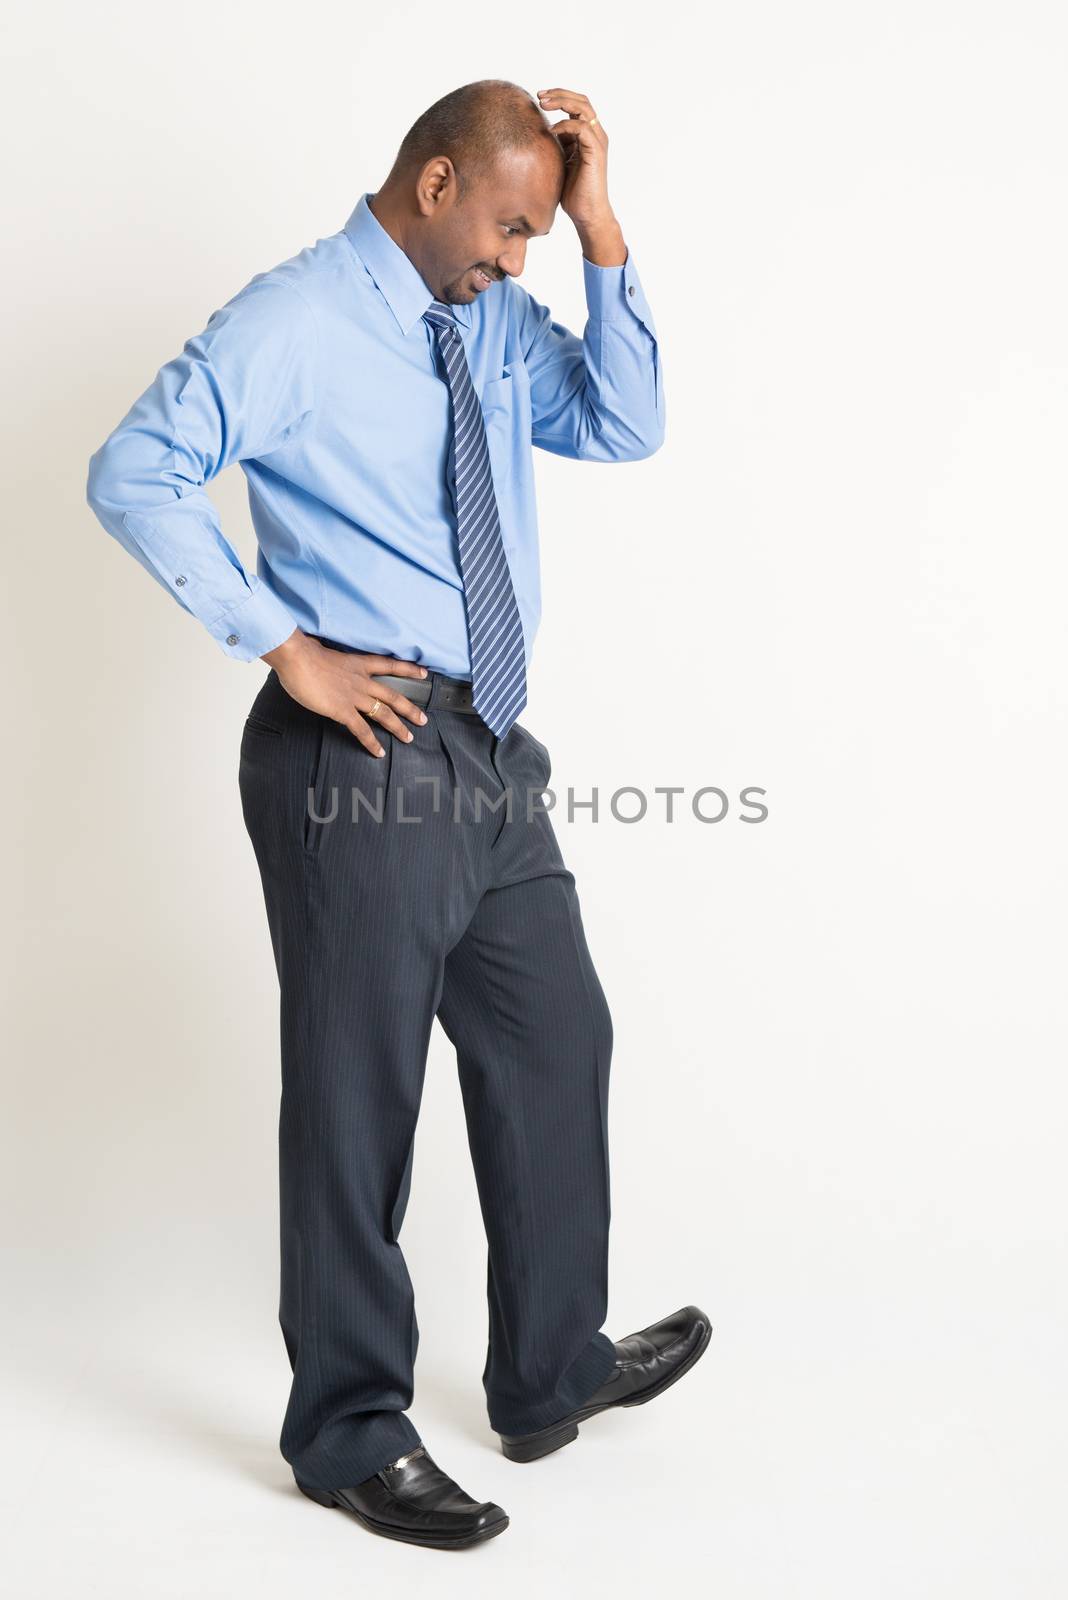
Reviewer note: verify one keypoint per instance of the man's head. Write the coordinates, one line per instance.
(479, 173)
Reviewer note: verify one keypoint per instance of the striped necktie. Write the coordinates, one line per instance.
(494, 627)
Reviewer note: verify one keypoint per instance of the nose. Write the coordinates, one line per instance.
(513, 259)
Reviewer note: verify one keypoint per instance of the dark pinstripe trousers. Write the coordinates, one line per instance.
(426, 882)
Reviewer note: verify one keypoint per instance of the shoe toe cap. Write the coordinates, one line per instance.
(488, 1515)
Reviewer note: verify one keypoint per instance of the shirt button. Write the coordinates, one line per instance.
(179, 582)
(232, 638)
(630, 289)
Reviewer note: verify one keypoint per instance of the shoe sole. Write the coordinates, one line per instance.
(323, 1497)
(546, 1440)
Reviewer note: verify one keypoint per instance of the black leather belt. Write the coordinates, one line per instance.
(436, 690)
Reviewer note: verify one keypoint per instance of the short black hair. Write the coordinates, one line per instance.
(474, 126)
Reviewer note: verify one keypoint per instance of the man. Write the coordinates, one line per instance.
(382, 390)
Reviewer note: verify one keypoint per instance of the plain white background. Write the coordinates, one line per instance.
(838, 1093)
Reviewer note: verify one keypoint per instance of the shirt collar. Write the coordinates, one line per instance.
(401, 284)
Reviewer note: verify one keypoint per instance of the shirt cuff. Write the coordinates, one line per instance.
(613, 293)
(255, 626)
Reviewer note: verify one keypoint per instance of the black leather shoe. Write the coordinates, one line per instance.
(412, 1499)
(647, 1363)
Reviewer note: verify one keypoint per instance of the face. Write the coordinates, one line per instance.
(467, 247)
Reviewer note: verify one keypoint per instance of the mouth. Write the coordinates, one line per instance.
(481, 280)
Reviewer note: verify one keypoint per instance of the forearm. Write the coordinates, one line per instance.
(598, 398)
(603, 244)
(178, 539)
(283, 656)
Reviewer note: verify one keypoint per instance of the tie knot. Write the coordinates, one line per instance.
(439, 315)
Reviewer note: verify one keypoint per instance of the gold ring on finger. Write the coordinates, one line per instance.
(374, 708)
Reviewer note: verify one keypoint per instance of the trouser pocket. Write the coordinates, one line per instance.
(321, 800)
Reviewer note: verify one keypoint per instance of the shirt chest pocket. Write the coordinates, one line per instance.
(506, 411)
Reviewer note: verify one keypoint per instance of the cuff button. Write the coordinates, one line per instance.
(178, 582)
(232, 638)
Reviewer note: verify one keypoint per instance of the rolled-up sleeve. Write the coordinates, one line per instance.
(601, 397)
(239, 389)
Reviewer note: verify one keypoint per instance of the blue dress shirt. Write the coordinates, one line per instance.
(320, 377)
